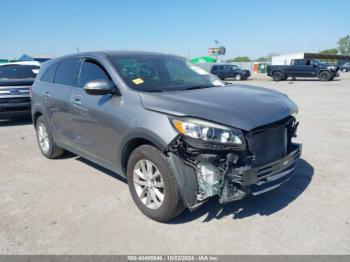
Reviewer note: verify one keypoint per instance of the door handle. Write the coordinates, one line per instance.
(47, 94)
(77, 102)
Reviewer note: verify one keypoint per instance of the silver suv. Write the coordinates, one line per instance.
(174, 131)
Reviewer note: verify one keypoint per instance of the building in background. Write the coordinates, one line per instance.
(324, 58)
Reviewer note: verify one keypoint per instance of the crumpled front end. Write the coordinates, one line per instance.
(266, 162)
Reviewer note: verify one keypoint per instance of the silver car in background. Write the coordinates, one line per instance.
(16, 80)
(174, 131)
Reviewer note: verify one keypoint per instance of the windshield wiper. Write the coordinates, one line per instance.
(197, 87)
(153, 91)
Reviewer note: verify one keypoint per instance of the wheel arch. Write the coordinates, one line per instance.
(324, 70)
(278, 71)
(135, 140)
(36, 115)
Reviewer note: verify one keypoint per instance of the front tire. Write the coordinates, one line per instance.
(152, 184)
(45, 140)
(345, 70)
(324, 76)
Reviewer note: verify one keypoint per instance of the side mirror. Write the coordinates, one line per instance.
(98, 87)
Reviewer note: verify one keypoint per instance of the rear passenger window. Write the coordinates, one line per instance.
(49, 74)
(92, 71)
(67, 72)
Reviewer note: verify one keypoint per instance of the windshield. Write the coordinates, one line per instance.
(235, 67)
(18, 71)
(157, 73)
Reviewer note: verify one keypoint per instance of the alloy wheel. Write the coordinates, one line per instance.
(148, 184)
(43, 138)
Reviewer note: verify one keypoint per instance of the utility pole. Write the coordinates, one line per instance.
(216, 44)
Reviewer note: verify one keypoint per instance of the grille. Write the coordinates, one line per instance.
(14, 100)
(268, 144)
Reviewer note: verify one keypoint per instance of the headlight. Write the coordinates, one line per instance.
(207, 131)
(294, 111)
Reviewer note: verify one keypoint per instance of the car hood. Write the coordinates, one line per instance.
(240, 106)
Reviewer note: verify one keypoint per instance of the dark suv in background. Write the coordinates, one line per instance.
(230, 71)
(178, 135)
(345, 67)
(15, 83)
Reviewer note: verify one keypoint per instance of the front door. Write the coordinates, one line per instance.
(95, 115)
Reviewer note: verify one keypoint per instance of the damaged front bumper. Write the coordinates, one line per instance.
(265, 163)
(244, 181)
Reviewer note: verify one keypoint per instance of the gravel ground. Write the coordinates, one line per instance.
(71, 206)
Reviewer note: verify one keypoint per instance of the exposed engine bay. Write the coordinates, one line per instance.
(265, 161)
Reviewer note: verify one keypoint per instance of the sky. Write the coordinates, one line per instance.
(251, 28)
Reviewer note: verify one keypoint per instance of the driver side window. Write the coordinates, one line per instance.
(92, 70)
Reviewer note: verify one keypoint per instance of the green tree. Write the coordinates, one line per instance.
(241, 59)
(262, 59)
(332, 51)
(344, 45)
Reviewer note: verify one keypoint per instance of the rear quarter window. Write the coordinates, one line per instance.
(49, 74)
(67, 72)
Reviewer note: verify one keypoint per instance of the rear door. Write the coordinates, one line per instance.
(56, 100)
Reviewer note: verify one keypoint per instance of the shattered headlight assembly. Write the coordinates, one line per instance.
(208, 132)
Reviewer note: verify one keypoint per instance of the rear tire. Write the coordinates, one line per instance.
(277, 76)
(144, 162)
(345, 70)
(324, 76)
(45, 140)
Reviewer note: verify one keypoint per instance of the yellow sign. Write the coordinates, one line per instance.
(137, 81)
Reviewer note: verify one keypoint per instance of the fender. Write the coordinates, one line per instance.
(139, 133)
(186, 178)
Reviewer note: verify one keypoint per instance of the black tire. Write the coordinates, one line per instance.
(285, 78)
(324, 76)
(172, 204)
(277, 76)
(54, 151)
